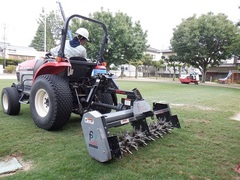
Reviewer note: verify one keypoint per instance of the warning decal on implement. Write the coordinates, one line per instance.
(89, 120)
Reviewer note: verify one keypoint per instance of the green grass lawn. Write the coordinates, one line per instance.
(207, 146)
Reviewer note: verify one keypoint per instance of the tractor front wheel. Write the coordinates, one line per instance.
(10, 101)
(50, 102)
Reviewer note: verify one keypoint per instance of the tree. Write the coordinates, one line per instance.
(53, 24)
(204, 41)
(158, 65)
(136, 63)
(147, 62)
(235, 48)
(173, 62)
(127, 39)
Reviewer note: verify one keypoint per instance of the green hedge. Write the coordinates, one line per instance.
(10, 61)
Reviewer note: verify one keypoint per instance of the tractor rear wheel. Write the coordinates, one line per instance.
(10, 101)
(105, 98)
(50, 102)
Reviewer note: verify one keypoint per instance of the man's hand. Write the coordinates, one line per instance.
(48, 56)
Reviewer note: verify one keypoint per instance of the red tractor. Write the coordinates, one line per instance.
(189, 78)
(55, 88)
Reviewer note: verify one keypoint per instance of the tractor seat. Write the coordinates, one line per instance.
(82, 68)
(78, 58)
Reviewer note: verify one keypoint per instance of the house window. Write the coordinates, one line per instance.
(12, 50)
(165, 68)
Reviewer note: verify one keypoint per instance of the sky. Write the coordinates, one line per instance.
(158, 18)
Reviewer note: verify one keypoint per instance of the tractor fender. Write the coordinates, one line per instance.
(52, 67)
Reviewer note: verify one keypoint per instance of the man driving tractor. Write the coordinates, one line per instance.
(74, 47)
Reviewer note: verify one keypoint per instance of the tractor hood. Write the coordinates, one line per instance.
(26, 65)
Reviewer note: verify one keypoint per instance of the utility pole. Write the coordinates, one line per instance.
(4, 46)
(45, 31)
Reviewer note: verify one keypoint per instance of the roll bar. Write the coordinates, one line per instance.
(65, 30)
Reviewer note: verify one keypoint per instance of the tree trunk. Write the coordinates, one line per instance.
(148, 72)
(174, 73)
(179, 70)
(156, 73)
(169, 73)
(204, 73)
(136, 72)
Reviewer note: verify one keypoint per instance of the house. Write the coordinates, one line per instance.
(154, 53)
(167, 53)
(9, 51)
(213, 73)
(222, 71)
(129, 70)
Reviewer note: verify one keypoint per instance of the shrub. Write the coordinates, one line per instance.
(216, 80)
(10, 68)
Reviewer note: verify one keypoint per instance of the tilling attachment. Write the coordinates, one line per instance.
(103, 146)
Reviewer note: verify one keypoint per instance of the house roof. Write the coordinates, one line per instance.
(151, 49)
(166, 51)
(223, 68)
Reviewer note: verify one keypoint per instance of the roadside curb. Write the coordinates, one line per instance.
(8, 76)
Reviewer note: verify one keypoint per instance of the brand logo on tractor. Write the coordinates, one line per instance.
(25, 68)
(141, 107)
(93, 140)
